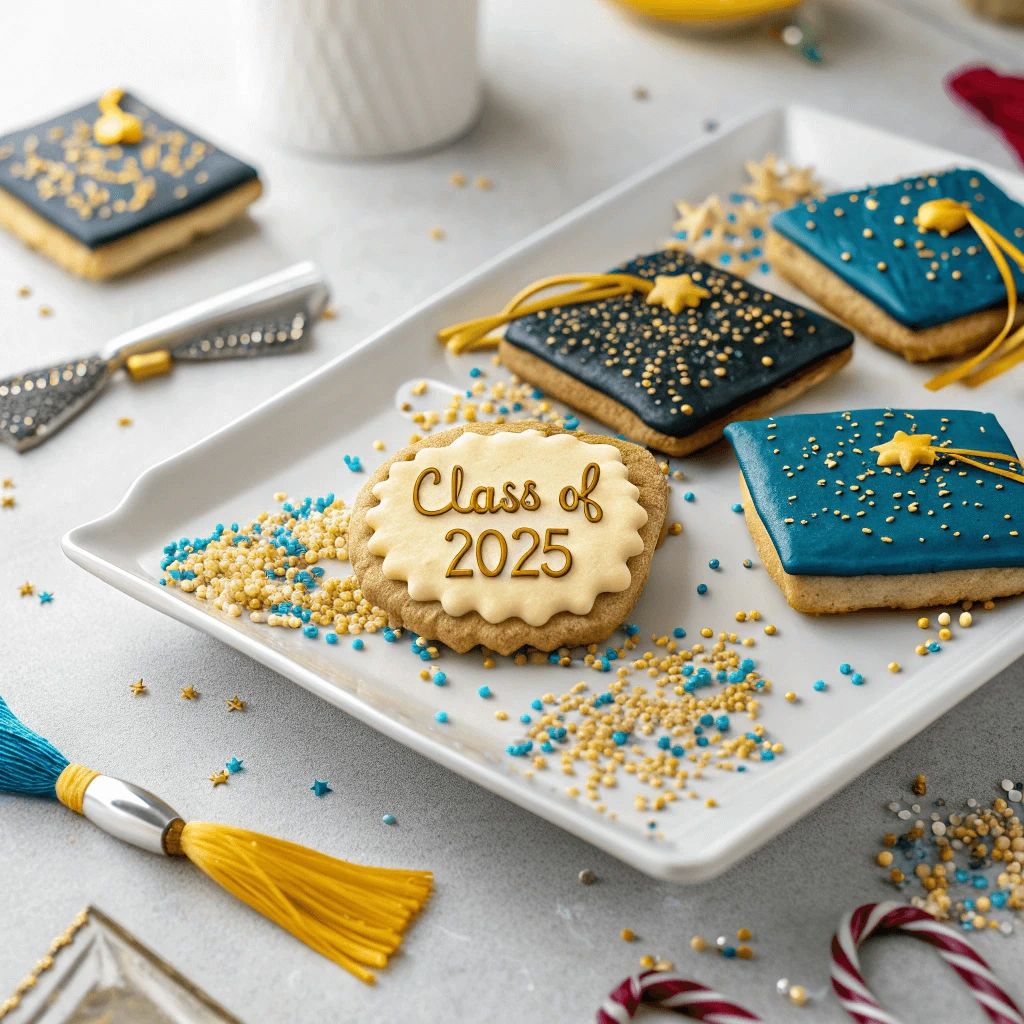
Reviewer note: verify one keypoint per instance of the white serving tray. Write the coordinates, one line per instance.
(830, 737)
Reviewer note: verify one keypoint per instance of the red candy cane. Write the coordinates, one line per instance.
(873, 918)
(670, 992)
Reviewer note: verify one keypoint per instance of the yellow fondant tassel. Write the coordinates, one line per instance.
(947, 216)
(476, 334)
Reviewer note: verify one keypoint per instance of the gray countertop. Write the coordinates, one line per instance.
(510, 933)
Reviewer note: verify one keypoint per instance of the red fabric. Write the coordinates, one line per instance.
(999, 99)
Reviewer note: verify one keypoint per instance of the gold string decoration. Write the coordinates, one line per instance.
(910, 450)
(476, 334)
(1005, 351)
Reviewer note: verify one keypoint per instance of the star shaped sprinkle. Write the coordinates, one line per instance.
(235, 704)
(750, 216)
(45, 597)
(219, 778)
(766, 182)
(906, 450)
(234, 765)
(713, 244)
(321, 788)
(26, 589)
(676, 292)
(137, 688)
(696, 218)
(800, 182)
(188, 693)
(7, 501)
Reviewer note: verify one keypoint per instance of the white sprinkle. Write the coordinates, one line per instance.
(894, 806)
(1014, 796)
(938, 829)
(904, 815)
(1007, 785)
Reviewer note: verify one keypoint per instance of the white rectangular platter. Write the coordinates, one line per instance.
(829, 737)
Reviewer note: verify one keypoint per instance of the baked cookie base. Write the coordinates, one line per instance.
(811, 276)
(597, 404)
(124, 254)
(462, 633)
(825, 595)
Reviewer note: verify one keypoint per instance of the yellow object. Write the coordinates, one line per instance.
(947, 216)
(115, 125)
(676, 292)
(708, 11)
(148, 364)
(475, 334)
(353, 915)
(910, 450)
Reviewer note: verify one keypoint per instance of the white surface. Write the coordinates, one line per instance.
(829, 737)
(359, 78)
(510, 927)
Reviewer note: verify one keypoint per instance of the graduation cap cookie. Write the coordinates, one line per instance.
(666, 350)
(927, 267)
(883, 508)
(113, 184)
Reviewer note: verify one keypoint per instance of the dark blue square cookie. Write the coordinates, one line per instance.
(673, 380)
(922, 293)
(100, 208)
(884, 507)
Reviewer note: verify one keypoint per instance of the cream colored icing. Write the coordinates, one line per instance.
(603, 527)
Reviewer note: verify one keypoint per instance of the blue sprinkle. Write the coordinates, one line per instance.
(934, 646)
(424, 654)
(484, 691)
(678, 751)
(737, 507)
(536, 705)
(857, 679)
(571, 423)
(517, 406)
(707, 719)
(968, 904)
(353, 462)
(475, 372)
(819, 685)
(702, 741)
(388, 819)
(611, 654)
(311, 631)
(605, 665)
(756, 232)
(619, 738)
(765, 267)
(537, 393)
(729, 952)
(331, 638)
(440, 679)
(998, 900)
(553, 658)
(441, 716)
(725, 258)
(357, 644)
(846, 668)
(547, 747)
(961, 875)
(747, 563)
(722, 722)
(163, 582)
(389, 635)
(979, 882)
(702, 588)
(664, 742)
(525, 719)
(632, 630)
(688, 496)
(679, 632)
(503, 409)
(767, 755)
(714, 563)
(747, 665)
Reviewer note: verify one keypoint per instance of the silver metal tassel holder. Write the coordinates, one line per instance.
(266, 317)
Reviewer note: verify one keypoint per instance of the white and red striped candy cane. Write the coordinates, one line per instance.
(670, 992)
(873, 918)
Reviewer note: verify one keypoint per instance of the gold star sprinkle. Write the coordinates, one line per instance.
(26, 589)
(8, 481)
(188, 693)
(800, 182)
(219, 778)
(906, 450)
(676, 292)
(137, 688)
(235, 704)
(696, 218)
(7, 501)
(124, 421)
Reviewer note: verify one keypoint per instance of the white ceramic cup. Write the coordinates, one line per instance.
(359, 78)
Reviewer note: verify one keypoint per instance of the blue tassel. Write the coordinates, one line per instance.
(28, 763)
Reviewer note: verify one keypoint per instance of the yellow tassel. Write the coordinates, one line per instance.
(351, 914)
(947, 216)
(476, 334)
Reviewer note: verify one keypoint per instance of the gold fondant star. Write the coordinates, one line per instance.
(219, 778)
(749, 216)
(766, 183)
(26, 589)
(800, 182)
(676, 292)
(188, 693)
(235, 704)
(137, 688)
(906, 450)
(696, 218)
